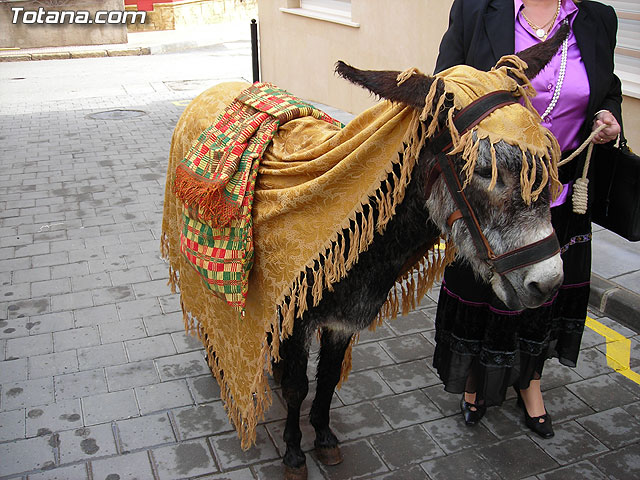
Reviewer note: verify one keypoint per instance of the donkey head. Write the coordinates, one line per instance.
(506, 180)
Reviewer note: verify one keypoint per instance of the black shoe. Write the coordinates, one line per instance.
(471, 417)
(543, 429)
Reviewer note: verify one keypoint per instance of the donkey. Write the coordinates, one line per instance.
(506, 221)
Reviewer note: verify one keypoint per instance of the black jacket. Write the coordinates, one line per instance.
(482, 31)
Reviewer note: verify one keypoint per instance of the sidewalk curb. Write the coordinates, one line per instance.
(158, 49)
(616, 302)
(121, 52)
(35, 56)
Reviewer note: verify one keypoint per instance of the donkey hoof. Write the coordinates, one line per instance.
(329, 455)
(293, 473)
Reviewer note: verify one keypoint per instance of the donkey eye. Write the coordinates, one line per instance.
(484, 172)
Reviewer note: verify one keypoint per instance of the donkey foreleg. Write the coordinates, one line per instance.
(295, 386)
(333, 346)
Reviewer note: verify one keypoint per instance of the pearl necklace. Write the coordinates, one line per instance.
(561, 74)
(541, 32)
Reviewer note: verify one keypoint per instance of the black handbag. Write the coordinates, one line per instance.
(616, 202)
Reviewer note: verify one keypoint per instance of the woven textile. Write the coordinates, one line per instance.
(216, 181)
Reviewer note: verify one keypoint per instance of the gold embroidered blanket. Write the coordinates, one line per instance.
(314, 180)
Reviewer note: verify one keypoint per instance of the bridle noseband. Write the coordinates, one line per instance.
(465, 120)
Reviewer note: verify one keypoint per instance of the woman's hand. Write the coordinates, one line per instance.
(610, 132)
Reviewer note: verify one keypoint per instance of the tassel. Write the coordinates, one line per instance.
(354, 241)
(384, 208)
(318, 280)
(290, 315)
(366, 231)
(173, 279)
(164, 245)
(580, 196)
(543, 182)
(532, 179)
(205, 199)
(395, 303)
(342, 266)
(428, 110)
(275, 345)
(188, 325)
(455, 134)
(580, 187)
(524, 178)
(302, 296)
(330, 268)
(405, 298)
(433, 126)
(494, 168)
(284, 312)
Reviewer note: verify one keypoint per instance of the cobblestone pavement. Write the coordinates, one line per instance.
(98, 380)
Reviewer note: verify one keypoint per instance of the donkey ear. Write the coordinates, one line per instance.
(539, 55)
(384, 84)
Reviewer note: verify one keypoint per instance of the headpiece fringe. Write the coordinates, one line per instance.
(533, 180)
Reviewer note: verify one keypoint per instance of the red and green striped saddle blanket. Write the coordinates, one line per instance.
(216, 182)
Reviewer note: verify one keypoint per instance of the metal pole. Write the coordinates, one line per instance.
(254, 50)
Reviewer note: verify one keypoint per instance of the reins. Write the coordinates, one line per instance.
(465, 120)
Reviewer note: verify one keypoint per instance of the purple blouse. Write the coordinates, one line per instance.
(568, 116)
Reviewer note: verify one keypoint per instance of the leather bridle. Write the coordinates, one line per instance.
(465, 120)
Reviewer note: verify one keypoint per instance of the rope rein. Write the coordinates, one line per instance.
(580, 187)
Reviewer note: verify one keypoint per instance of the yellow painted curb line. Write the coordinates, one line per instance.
(618, 349)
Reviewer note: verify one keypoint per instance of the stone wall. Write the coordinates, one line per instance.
(189, 13)
(26, 35)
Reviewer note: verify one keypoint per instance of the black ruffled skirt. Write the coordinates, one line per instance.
(479, 339)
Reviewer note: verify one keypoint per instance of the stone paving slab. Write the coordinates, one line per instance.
(97, 377)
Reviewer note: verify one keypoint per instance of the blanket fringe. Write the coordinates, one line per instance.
(246, 424)
(205, 197)
(374, 214)
(411, 288)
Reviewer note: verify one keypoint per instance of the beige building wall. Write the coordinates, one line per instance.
(299, 53)
(631, 121)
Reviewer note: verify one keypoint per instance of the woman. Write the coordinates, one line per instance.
(482, 347)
